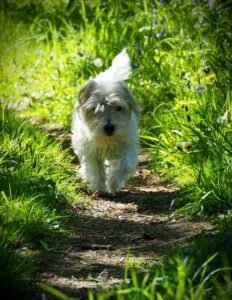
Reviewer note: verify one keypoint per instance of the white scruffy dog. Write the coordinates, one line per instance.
(105, 129)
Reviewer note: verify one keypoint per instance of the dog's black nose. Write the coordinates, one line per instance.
(109, 129)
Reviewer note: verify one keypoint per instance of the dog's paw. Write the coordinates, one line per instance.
(98, 188)
(114, 185)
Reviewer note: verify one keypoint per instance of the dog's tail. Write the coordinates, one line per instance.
(120, 68)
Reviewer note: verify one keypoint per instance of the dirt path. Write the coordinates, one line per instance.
(136, 221)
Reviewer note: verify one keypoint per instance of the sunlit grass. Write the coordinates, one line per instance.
(36, 182)
(181, 81)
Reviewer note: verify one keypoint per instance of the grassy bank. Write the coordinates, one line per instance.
(36, 182)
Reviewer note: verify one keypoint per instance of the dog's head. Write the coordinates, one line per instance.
(106, 108)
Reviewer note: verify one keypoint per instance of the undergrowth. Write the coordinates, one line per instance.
(36, 181)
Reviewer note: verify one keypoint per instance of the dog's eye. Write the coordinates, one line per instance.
(90, 111)
(118, 108)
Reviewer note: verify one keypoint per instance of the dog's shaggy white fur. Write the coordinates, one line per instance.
(105, 130)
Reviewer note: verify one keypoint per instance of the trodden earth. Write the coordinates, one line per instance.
(135, 227)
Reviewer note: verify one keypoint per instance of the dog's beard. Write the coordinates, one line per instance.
(104, 139)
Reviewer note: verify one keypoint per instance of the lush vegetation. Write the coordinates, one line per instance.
(181, 55)
(36, 180)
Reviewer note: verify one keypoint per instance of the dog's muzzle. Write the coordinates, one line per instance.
(109, 129)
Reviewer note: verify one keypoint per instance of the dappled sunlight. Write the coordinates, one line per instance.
(132, 228)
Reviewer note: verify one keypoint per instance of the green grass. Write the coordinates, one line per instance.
(199, 271)
(182, 57)
(182, 80)
(36, 181)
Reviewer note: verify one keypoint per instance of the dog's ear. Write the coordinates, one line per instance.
(131, 100)
(85, 91)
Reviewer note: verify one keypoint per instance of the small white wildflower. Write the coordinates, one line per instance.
(56, 226)
(223, 119)
(98, 62)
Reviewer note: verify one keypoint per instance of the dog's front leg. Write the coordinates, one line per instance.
(93, 172)
(120, 170)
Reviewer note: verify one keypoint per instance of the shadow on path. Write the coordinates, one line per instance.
(135, 221)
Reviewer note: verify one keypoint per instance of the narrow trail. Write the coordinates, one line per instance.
(137, 221)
